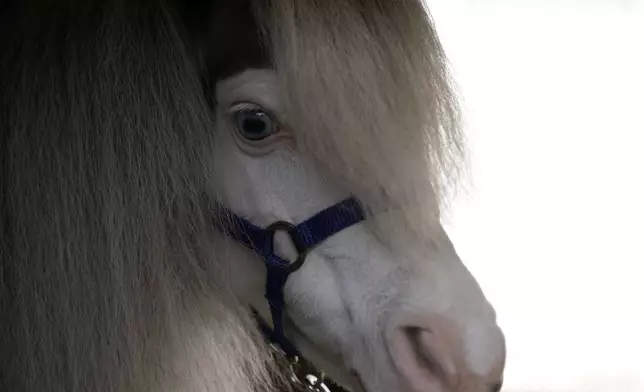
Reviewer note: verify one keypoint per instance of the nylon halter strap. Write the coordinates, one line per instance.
(305, 236)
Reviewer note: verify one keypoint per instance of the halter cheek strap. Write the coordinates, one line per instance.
(305, 236)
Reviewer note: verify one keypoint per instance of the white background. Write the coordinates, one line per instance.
(553, 223)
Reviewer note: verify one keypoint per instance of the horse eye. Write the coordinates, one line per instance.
(255, 124)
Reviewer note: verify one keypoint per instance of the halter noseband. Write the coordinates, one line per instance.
(305, 236)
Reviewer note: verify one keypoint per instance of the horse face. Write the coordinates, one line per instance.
(373, 317)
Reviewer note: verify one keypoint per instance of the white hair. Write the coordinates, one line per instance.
(367, 87)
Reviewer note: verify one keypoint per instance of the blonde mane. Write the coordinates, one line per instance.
(368, 89)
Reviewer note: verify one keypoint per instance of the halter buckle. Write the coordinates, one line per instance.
(296, 239)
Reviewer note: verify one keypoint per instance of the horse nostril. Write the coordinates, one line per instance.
(497, 387)
(422, 358)
(420, 343)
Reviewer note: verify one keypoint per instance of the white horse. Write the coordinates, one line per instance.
(119, 117)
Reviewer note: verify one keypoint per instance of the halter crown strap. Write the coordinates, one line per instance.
(305, 236)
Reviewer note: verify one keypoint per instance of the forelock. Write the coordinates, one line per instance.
(367, 89)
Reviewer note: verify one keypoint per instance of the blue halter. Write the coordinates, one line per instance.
(305, 236)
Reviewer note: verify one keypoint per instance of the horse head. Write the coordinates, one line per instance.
(320, 104)
(168, 165)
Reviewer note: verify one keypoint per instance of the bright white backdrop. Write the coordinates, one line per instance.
(553, 225)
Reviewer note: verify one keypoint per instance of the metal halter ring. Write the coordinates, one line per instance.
(296, 239)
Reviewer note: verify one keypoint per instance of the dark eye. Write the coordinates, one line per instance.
(255, 124)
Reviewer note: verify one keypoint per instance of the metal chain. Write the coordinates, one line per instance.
(302, 375)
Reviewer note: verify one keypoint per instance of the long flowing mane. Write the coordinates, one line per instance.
(103, 127)
(105, 132)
